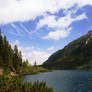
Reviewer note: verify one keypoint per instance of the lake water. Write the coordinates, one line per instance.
(65, 80)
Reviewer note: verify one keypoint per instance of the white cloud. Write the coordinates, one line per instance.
(26, 49)
(61, 26)
(14, 43)
(23, 10)
(21, 30)
(47, 20)
(58, 34)
(39, 56)
(81, 17)
(31, 53)
(50, 48)
(63, 22)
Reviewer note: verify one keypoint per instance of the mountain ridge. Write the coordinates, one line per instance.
(76, 54)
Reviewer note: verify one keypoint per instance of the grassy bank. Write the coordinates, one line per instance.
(34, 70)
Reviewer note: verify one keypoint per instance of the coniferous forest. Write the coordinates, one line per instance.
(9, 58)
(13, 66)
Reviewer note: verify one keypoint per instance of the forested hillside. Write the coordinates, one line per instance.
(11, 59)
(76, 55)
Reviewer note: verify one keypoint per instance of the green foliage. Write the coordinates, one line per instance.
(28, 69)
(76, 54)
(12, 66)
(1, 48)
(11, 60)
(17, 58)
(85, 67)
(16, 84)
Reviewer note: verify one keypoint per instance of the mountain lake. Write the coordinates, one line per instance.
(65, 80)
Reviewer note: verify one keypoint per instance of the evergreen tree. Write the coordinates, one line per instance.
(10, 63)
(15, 58)
(35, 64)
(20, 58)
(1, 48)
(6, 53)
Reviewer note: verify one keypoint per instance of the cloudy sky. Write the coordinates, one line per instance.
(41, 27)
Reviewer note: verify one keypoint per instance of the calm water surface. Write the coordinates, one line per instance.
(65, 80)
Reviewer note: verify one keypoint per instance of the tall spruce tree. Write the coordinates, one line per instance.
(15, 57)
(5, 52)
(10, 53)
(20, 58)
(1, 48)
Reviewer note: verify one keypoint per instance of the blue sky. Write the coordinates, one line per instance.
(41, 27)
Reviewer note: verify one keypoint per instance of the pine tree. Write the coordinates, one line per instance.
(1, 48)
(20, 58)
(35, 64)
(10, 52)
(15, 58)
(6, 54)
